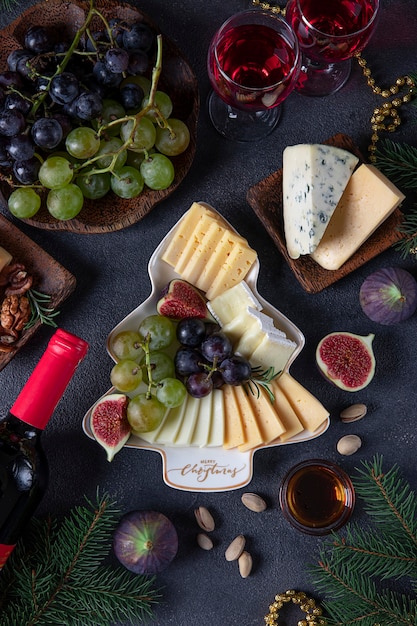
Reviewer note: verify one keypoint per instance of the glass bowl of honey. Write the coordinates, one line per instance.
(317, 497)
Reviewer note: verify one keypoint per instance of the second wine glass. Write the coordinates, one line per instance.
(253, 65)
(330, 33)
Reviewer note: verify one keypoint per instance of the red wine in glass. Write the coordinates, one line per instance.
(330, 33)
(253, 64)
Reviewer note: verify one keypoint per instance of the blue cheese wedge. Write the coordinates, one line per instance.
(314, 179)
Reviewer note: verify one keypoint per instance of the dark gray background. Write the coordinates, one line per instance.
(111, 271)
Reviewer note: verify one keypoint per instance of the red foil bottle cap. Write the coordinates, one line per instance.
(48, 381)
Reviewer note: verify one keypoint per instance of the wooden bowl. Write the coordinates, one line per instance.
(177, 79)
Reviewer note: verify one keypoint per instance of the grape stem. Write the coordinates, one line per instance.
(148, 365)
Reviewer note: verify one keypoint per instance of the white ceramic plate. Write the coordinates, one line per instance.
(192, 468)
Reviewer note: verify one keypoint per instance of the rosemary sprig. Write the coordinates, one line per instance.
(262, 379)
(39, 310)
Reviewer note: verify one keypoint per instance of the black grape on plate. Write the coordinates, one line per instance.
(68, 104)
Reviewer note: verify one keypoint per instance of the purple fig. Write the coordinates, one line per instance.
(109, 423)
(180, 299)
(347, 360)
(389, 295)
(145, 542)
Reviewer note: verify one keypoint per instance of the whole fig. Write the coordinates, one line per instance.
(389, 295)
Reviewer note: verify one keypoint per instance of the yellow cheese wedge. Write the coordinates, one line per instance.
(226, 306)
(308, 408)
(287, 415)
(5, 258)
(268, 421)
(274, 350)
(251, 429)
(235, 267)
(203, 423)
(234, 435)
(193, 244)
(367, 201)
(216, 261)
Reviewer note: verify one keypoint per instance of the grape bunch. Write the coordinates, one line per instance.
(142, 357)
(205, 358)
(84, 116)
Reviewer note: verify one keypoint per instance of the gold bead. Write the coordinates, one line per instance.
(385, 93)
(377, 90)
(396, 102)
(394, 89)
(317, 610)
(374, 137)
(302, 622)
(366, 71)
(372, 148)
(386, 105)
(400, 81)
(391, 128)
(371, 81)
(407, 98)
(372, 159)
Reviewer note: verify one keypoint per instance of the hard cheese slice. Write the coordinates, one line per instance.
(5, 258)
(308, 408)
(226, 306)
(314, 178)
(367, 201)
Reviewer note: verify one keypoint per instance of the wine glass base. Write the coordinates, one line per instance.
(319, 79)
(238, 125)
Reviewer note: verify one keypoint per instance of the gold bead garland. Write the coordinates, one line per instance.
(386, 117)
(313, 611)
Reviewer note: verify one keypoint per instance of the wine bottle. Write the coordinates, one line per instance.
(23, 465)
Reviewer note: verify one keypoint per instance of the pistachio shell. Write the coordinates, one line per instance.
(204, 541)
(254, 502)
(349, 444)
(245, 564)
(204, 519)
(235, 549)
(353, 413)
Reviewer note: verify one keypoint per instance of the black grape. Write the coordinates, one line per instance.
(87, 106)
(64, 88)
(117, 60)
(138, 62)
(21, 147)
(15, 100)
(138, 37)
(47, 133)
(5, 160)
(10, 78)
(23, 65)
(38, 39)
(104, 76)
(131, 96)
(12, 122)
(27, 172)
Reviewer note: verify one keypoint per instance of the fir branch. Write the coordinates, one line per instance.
(351, 568)
(57, 576)
(398, 161)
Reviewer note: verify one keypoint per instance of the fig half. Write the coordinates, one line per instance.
(145, 542)
(389, 295)
(347, 360)
(109, 423)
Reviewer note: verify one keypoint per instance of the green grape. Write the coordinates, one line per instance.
(157, 171)
(65, 203)
(175, 142)
(111, 110)
(142, 138)
(127, 345)
(171, 392)
(142, 81)
(160, 329)
(126, 375)
(24, 202)
(94, 186)
(82, 142)
(145, 413)
(127, 182)
(162, 101)
(55, 172)
(107, 151)
(162, 366)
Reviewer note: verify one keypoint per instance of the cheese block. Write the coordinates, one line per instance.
(273, 351)
(255, 333)
(287, 415)
(307, 407)
(226, 306)
(5, 258)
(216, 434)
(239, 325)
(234, 435)
(202, 428)
(269, 423)
(253, 436)
(368, 200)
(313, 180)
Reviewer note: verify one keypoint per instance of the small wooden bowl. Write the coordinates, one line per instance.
(177, 79)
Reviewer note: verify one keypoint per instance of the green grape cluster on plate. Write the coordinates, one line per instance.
(83, 117)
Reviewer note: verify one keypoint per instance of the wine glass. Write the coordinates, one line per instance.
(253, 64)
(330, 33)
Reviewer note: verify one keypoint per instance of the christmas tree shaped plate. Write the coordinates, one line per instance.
(196, 440)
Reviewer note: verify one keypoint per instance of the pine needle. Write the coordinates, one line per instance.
(57, 575)
(353, 570)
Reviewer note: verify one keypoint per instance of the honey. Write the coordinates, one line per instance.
(317, 497)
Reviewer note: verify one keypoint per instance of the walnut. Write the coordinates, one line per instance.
(16, 279)
(15, 313)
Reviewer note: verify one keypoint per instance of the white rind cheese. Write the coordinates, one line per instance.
(314, 178)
